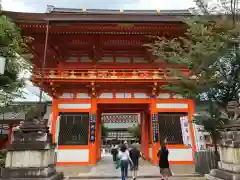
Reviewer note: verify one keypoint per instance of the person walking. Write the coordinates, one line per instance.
(163, 161)
(114, 152)
(126, 144)
(124, 157)
(135, 154)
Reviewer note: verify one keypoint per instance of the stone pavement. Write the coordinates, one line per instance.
(106, 169)
(171, 178)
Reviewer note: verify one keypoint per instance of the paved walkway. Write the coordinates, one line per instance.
(106, 168)
(171, 178)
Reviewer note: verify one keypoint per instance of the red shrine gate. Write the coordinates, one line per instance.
(95, 62)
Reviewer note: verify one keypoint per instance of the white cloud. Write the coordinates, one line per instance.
(162, 5)
(17, 5)
(40, 5)
(31, 93)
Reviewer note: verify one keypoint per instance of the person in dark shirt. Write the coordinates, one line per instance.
(135, 154)
(114, 152)
(163, 161)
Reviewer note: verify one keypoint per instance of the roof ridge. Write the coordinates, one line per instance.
(52, 10)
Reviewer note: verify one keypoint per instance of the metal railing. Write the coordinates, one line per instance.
(106, 74)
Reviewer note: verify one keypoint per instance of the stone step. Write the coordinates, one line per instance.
(130, 177)
(171, 178)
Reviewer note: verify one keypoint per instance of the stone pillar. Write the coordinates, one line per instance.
(31, 153)
(229, 164)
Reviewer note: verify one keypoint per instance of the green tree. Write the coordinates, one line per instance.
(209, 51)
(104, 131)
(13, 47)
(204, 50)
(135, 131)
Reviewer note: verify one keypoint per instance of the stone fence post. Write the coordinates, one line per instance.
(229, 164)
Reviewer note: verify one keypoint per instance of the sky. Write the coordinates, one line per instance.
(40, 6)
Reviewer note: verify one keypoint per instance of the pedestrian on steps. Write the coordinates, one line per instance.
(125, 159)
(135, 154)
(165, 171)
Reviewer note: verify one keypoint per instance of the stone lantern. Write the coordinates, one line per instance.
(31, 155)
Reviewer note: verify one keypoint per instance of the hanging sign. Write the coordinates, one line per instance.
(155, 127)
(92, 119)
(199, 137)
(185, 131)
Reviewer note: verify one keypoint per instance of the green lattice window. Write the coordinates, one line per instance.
(73, 129)
(170, 127)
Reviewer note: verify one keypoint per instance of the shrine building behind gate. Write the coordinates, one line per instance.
(95, 63)
(118, 127)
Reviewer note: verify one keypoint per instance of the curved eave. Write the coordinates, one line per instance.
(96, 17)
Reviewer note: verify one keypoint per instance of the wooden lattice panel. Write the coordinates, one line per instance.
(120, 118)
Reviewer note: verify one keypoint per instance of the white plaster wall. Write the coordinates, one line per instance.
(177, 96)
(74, 106)
(123, 59)
(163, 96)
(171, 105)
(106, 95)
(139, 60)
(140, 95)
(123, 95)
(85, 59)
(67, 96)
(106, 59)
(72, 59)
(150, 153)
(180, 154)
(83, 96)
(72, 155)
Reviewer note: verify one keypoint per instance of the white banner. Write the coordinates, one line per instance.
(199, 137)
(185, 131)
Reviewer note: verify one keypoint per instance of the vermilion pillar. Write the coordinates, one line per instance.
(141, 133)
(146, 150)
(92, 145)
(54, 119)
(98, 135)
(191, 129)
(10, 126)
(144, 135)
(155, 145)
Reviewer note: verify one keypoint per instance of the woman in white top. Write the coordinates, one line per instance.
(124, 159)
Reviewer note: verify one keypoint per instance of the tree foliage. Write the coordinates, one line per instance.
(104, 131)
(135, 131)
(209, 52)
(204, 50)
(13, 46)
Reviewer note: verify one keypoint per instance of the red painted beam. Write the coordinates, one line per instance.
(88, 37)
(136, 66)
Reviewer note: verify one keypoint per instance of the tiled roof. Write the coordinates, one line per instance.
(52, 9)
